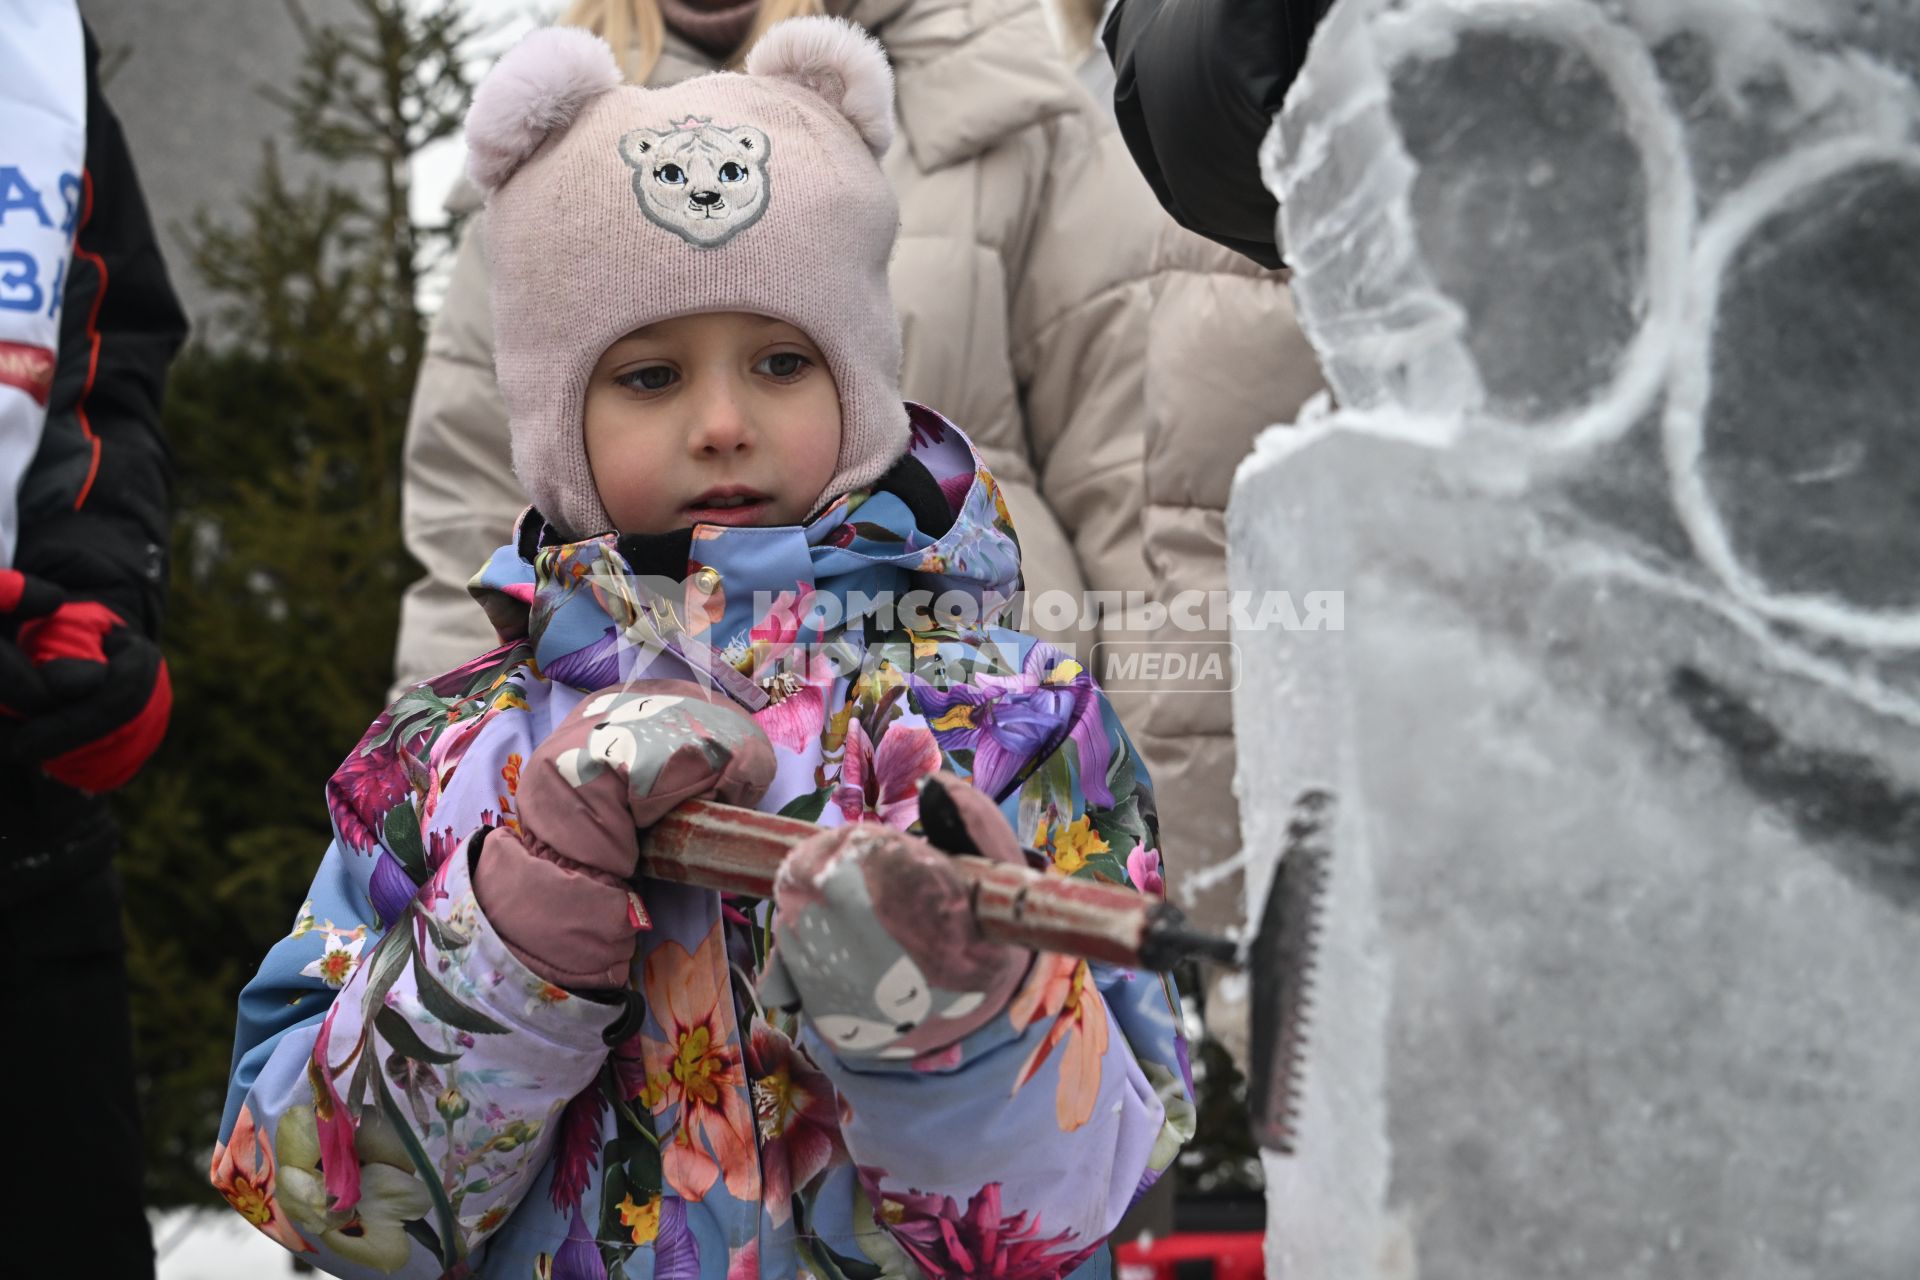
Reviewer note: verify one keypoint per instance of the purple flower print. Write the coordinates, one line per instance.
(1013, 722)
(591, 667)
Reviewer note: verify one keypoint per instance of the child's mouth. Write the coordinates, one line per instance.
(731, 508)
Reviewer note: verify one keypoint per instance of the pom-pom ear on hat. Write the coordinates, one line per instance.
(838, 61)
(539, 86)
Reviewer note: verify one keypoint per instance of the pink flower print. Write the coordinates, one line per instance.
(578, 1149)
(883, 784)
(799, 716)
(979, 1241)
(1143, 868)
(447, 753)
(630, 1067)
(955, 490)
(440, 847)
(924, 429)
(743, 1263)
(338, 1160)
(781, 627)
(368, 782)
(795, 1113)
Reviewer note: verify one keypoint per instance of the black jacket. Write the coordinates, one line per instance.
(1197, 84)
(94, 504)
(95, 501)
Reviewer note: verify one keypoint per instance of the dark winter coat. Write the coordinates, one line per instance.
(94, 503)
(1197, 85)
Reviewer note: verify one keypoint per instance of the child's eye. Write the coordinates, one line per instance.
(653, 377)
(783, 364)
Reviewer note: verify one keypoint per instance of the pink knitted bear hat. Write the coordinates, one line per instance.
(610, 207)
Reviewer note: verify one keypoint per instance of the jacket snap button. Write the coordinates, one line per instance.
(707, 579)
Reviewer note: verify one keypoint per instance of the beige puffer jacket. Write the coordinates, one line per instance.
(1049, 307)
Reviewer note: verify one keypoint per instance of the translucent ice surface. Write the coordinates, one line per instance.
(1620, 975)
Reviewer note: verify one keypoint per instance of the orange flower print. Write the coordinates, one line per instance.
(545, 996)
(1062, 989)
(243, 1172)
(999, 501)
(698, 1067)
(510, 774)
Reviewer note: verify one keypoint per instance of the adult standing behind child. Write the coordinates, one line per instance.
(88, 327)
(484, 1046)
(1110, 367)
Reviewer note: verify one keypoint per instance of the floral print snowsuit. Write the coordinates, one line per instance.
(407, 1098)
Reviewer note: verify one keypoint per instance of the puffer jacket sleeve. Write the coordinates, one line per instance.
(396, 1070)
(1031, 1138)
(459, 498)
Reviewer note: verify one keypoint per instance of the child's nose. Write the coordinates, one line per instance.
(720, 422)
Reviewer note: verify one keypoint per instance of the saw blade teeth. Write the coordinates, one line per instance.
(1286, 953)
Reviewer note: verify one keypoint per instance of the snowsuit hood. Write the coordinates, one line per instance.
(601, 609)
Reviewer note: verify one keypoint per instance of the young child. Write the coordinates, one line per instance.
(486, 1047)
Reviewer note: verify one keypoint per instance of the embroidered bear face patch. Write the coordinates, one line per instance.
(704, 182)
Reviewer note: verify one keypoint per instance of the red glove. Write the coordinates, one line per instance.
(82, 695)
(556, 891)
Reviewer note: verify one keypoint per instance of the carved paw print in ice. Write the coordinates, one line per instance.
(1791, 424)
(1558, 222)
(1476, 221)
(1620, 301)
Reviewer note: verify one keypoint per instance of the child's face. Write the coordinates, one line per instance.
(686, 417)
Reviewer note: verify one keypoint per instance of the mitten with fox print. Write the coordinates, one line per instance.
(556, 889)
(874, 934)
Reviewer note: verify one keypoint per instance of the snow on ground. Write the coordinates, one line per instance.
(213, 1244)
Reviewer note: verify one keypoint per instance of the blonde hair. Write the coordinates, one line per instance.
(637, 32)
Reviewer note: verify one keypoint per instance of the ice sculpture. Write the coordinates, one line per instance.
(1620, 971)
